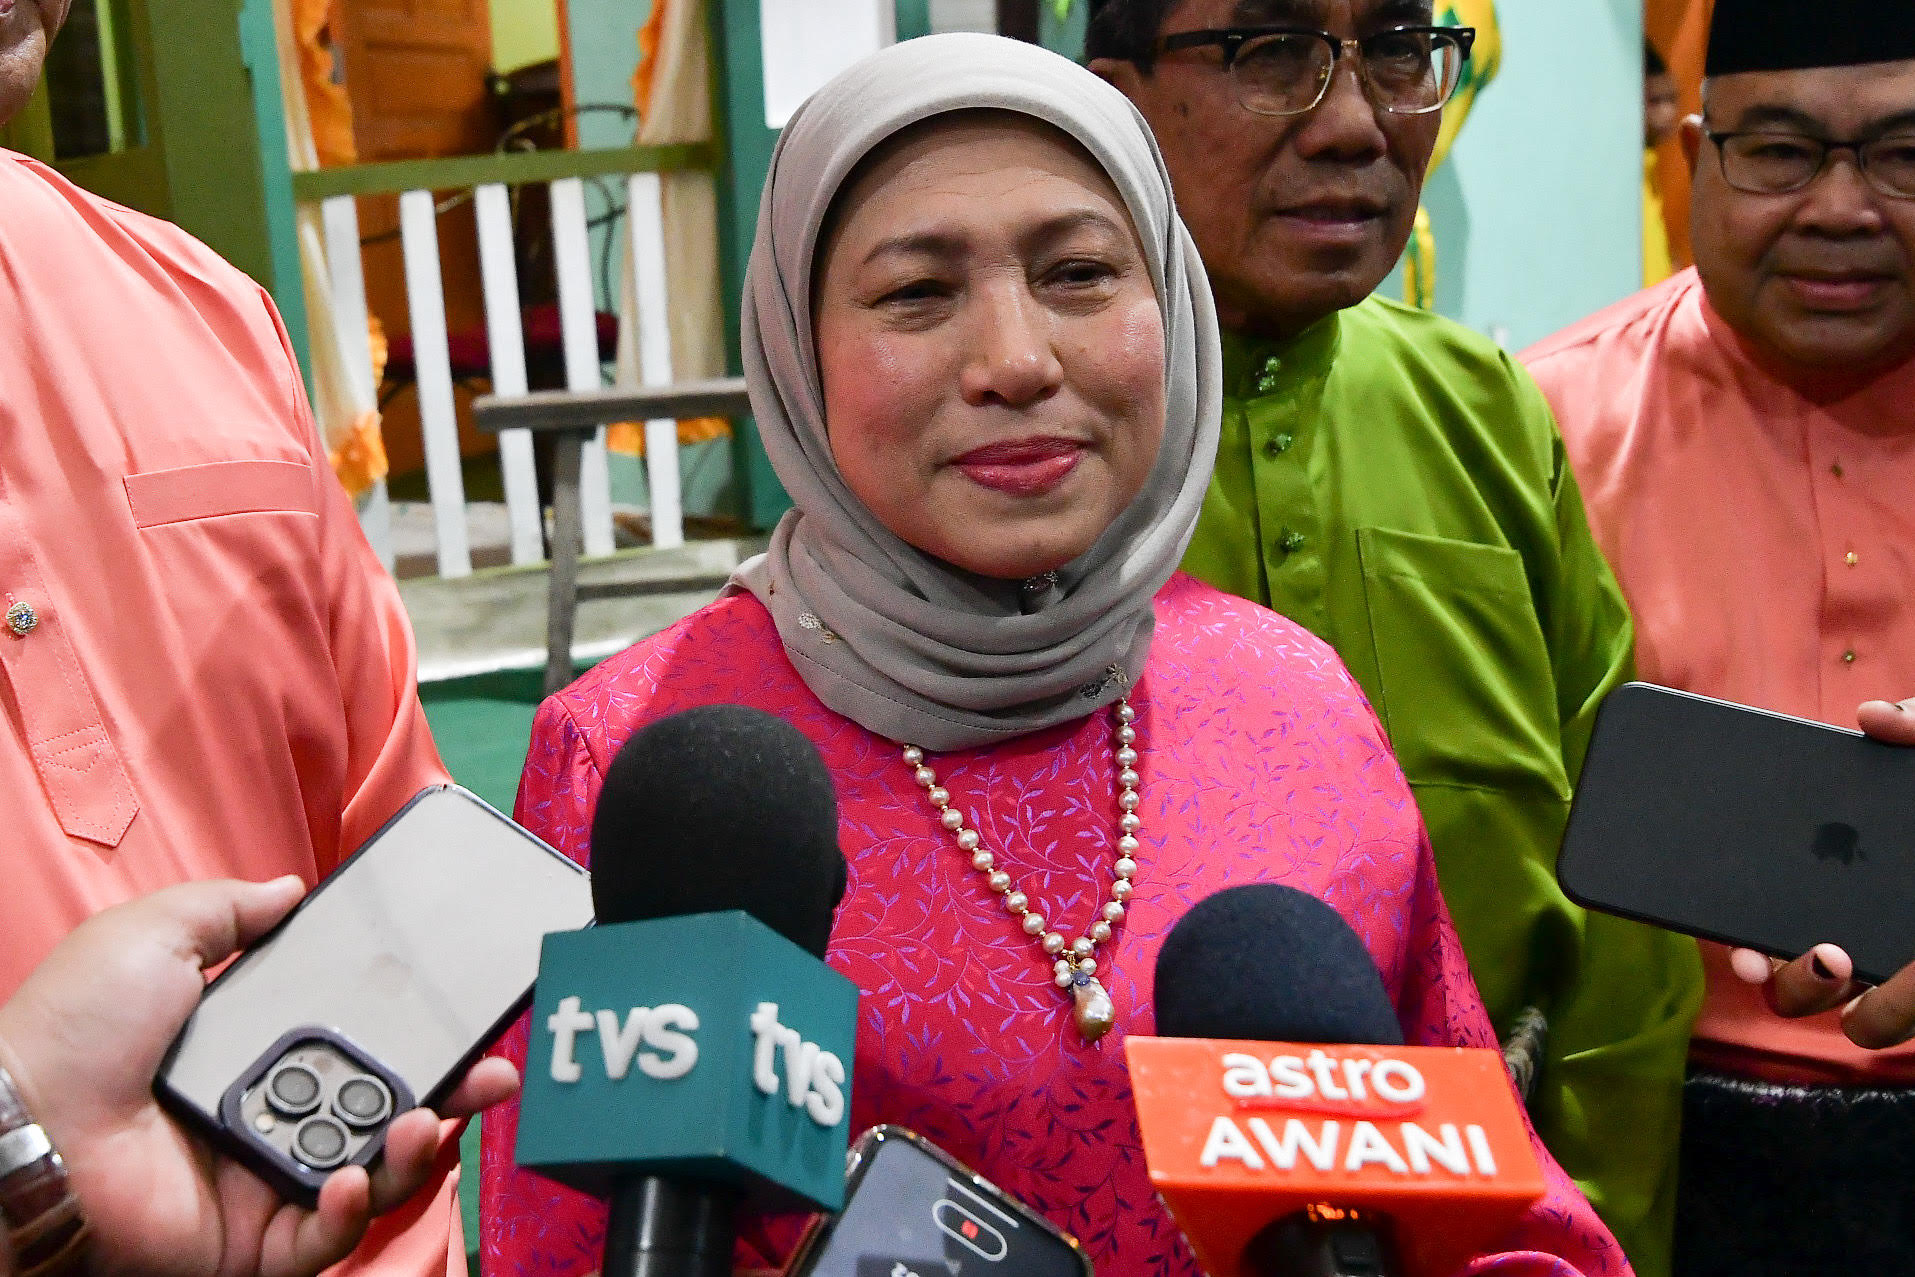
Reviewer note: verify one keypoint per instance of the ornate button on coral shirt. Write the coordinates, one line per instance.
(205, 672)
(1764, 533)
(1259, 762)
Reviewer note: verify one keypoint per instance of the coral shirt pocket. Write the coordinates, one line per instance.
(159, 497)
(79, 766)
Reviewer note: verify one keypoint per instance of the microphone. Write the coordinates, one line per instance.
(693, 1048)
(1288, 1128)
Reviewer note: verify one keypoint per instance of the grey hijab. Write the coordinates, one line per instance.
(902, 643)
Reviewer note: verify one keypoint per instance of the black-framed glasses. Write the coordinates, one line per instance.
(1289, 70)
(1764, 163)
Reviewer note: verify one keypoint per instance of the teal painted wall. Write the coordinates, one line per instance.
(914, 19)
(604, 44)
(1066, 35)
(738, 64)
(604, 40)
(1538, 214)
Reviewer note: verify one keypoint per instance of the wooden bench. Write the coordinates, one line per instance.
(571, 418)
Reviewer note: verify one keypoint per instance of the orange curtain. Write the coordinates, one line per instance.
(319, 133)
(649, 38)
(326, 101)
(1680, 31)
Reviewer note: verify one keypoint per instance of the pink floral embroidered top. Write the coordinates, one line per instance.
(1260, 761)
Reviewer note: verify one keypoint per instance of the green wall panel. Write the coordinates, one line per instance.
(747, 144)
(284, 279)
(1538, 213)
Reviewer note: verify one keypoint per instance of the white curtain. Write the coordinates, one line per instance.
(344, 401)
(678, 109)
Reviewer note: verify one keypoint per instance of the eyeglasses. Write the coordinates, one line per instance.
(1783, 163)
(1289, 70)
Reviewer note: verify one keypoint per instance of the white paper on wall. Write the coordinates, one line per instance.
(806, 42)
(964, 15)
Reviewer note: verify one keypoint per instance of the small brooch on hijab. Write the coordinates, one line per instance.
(1037, 593)
(806, 621)
(1114, 676)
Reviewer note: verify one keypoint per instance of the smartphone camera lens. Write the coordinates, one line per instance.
(293, 1089)
(320, 1143)
(363, 1101)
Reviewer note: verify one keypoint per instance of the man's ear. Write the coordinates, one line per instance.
(1121, 73)
(1690, 131)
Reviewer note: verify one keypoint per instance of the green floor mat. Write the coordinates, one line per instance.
(482, 725)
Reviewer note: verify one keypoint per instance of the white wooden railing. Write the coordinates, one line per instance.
(420, 185)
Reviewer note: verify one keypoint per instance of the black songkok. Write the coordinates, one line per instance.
(1796, 35)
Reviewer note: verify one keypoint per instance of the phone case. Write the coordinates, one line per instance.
(1745, 827)
(393, 974)
(976, 1222)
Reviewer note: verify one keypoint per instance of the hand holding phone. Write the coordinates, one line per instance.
(375, 995)
(1873, 1017)
(1746, 827)
(83, 1037)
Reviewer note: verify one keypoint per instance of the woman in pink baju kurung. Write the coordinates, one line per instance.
(977, 308)
(1260, 762)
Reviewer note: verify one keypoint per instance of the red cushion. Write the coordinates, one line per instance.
(471, 348)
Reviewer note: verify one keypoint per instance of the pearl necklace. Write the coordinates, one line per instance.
(1076, 963)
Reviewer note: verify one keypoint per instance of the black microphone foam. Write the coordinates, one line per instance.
(715, 809)
(1269, 963)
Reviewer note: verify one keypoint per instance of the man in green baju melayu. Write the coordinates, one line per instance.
(1397, 484)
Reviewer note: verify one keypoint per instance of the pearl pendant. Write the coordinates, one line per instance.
(1094, 1013)
(1076, 968)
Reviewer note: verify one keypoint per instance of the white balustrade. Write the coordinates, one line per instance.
(645, 212)
(578, 325)
(505, 333)
(432, 377)
(506, 337)
(339, 216)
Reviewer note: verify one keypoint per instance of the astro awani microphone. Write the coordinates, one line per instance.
(693, 1049)
(1287, 1126)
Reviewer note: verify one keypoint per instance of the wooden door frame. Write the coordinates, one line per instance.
(568, 86)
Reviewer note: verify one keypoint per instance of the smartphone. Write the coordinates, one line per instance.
(375, 995)
(1745, 827)
(911, 1210)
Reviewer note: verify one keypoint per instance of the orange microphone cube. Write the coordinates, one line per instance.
(1240, 1135)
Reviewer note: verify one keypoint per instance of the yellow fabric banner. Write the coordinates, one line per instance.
(1419, 261)
(1680, 31)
